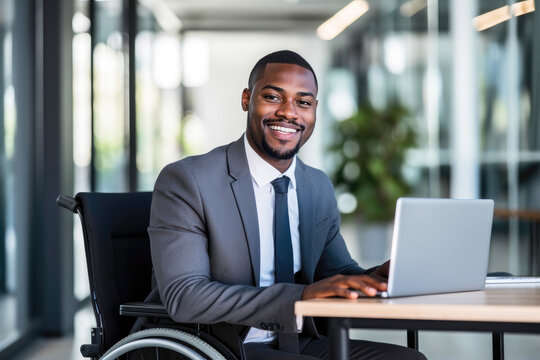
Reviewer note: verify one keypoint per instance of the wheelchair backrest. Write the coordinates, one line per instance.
(117, 254)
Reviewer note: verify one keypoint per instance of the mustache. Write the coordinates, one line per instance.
(282, 121)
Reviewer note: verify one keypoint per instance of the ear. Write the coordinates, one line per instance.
(246, 96)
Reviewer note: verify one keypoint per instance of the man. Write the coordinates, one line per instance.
(214, 218)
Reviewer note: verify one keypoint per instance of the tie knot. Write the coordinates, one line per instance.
(281, 185)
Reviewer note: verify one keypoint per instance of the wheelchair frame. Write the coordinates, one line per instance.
(194, 341)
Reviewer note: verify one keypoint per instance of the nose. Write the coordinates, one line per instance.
(287, 110)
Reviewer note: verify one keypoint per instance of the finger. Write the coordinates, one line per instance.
(336, 287)
(368, 290)
(366, 285)
(377, 283)
(360, 281)
(346, 293)
(327, 288)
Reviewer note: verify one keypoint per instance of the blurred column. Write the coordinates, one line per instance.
(52, 241)
(3, 262)
(465, 120)
(535, 71)
(20, 198)
(512, 138)
(432, 97)
(129, 19)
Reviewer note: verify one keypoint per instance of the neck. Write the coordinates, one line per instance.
(281, 165)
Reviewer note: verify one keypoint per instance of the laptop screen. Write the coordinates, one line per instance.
(440, 245)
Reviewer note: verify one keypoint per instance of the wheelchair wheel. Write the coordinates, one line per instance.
(162, 343)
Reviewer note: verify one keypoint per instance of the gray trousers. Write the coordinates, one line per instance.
(311, 349)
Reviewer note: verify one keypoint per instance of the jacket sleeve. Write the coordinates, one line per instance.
(179, 246)
(335, 258)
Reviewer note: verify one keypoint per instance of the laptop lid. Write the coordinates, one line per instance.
(439, 245)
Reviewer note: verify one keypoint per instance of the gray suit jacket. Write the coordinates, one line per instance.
(205, 241)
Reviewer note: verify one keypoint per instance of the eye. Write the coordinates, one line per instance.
(271, 97)
(304, 103)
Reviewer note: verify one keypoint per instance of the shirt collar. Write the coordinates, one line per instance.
(262, 172)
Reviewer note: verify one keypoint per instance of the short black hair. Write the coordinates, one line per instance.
(279, 57)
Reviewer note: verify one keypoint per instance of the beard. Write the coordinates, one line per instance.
(277, 154)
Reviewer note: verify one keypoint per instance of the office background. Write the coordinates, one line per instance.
(100, 95)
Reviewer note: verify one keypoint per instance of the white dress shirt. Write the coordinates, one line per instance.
(262, 175)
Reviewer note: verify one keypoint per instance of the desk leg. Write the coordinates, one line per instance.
(533, 263)
(498, 346)
(339, 338)
(412, 339)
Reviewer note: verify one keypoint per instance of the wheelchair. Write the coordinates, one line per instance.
(131, 322)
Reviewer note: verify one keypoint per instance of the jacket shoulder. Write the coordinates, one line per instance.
(317, 176)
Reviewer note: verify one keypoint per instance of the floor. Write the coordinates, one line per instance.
(65, 348)
(8, 313)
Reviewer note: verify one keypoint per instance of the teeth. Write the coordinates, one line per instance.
(282, 129)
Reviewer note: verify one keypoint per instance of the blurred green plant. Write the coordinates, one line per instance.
(369, 150)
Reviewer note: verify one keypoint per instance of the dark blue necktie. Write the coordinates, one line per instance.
(283, 252)
(282, 233)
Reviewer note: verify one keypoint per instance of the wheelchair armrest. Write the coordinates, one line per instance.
(144, 309)
(93, 351)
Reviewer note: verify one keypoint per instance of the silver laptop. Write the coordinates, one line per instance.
(439, 246)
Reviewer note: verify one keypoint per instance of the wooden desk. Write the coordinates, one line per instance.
(497, 309)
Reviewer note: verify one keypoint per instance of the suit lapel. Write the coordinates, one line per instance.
(304, 192)
(242, 188)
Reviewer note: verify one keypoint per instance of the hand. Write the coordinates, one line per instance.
(382, 272)
(344, 286)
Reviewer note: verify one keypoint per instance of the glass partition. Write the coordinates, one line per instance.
(8, 128)
(82, 134)
(403, 52)
(159, 102)
(15, 162)
(111, 130)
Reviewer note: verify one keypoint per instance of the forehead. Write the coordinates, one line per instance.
(286, 76)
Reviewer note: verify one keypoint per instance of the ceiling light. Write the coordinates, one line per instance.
(411, 7)
(164, 16)
(497, 16)
(492, 18)
(522, 7)
(342, 19)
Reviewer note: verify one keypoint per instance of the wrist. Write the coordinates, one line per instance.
(305, 293)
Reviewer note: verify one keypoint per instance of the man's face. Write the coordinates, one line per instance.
(281, 112)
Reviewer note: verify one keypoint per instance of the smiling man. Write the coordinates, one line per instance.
(241, 233)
